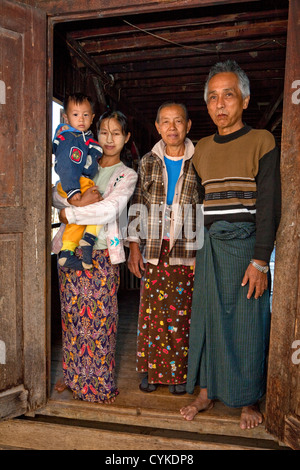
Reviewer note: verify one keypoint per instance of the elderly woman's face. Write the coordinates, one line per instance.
(172, 125)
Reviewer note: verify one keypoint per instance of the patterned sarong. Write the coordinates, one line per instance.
(164, 321)
(229, 333)
(89, 326)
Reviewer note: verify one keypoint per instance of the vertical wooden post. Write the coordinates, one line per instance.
(283, 393)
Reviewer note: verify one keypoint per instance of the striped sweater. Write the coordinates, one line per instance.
(240, 178)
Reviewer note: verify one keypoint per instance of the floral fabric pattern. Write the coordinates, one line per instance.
(164, 321)
(89, 326)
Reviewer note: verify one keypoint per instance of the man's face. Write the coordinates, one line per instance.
(225, 103)
(79, 115)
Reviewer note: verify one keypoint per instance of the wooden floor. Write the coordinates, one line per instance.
(156, 413)
(136, 420)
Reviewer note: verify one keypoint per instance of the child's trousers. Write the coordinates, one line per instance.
(73, 233)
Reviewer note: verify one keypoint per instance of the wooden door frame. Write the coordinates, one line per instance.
(23, 218)
(282, 323)
(283, 392)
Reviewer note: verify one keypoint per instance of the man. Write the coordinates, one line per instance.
(239, 171)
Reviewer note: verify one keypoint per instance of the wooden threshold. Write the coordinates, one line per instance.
(40, 435)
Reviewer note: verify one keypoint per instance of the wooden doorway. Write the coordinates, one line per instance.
(23, 215)
(227, 416)
(283, 405)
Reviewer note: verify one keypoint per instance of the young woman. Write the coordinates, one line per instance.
(89, 298)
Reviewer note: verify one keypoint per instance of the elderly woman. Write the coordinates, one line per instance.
(163, 250)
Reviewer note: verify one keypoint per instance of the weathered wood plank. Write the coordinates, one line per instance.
(118, 7)
(45, 436)
(136, 71)
(36, 234)
(13, 402)
(12, 219)
(194, 37)
(291, 432)
(283, 398)
(118, 58)
(23, 226)
(248, 16)
(11, 321)
(215, 423)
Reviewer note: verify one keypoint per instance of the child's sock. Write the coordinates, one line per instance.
(67, 259)
(87, 246)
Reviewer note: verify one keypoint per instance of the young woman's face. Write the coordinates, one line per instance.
(111, 137)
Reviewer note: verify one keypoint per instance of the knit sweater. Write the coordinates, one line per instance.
(240, 174)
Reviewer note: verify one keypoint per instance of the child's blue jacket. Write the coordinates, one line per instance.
(76, 154)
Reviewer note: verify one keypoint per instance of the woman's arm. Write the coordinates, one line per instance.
(136, 201)
(90, 196)
(58, 201)
(109, 208)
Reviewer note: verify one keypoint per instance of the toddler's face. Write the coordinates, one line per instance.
(79, 115)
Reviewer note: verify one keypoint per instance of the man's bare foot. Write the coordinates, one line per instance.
(200, 404)
(60, 385)
(250, 417)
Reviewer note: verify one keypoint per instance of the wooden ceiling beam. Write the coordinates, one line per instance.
(185, 77)
(80, 53)
(156, 69)
(75, 48)
(253, 46)
(105, 30)
(194, 38)
(173, 86)
(94, 8)
(145, 70)
(271, 110)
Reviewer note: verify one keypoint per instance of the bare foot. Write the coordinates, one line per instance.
(109, 401)
(250, 417)
(60, 385)
(200, 404)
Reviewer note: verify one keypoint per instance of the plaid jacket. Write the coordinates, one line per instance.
(146, 213)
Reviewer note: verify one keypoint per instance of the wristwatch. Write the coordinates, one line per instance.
(262, 269)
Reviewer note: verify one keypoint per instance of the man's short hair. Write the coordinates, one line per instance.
(229, 66)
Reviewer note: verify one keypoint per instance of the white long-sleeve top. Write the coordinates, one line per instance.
(110, 212)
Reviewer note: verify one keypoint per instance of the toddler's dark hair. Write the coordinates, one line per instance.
(78, 98)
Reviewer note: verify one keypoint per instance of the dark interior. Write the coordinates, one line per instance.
(134, 63)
